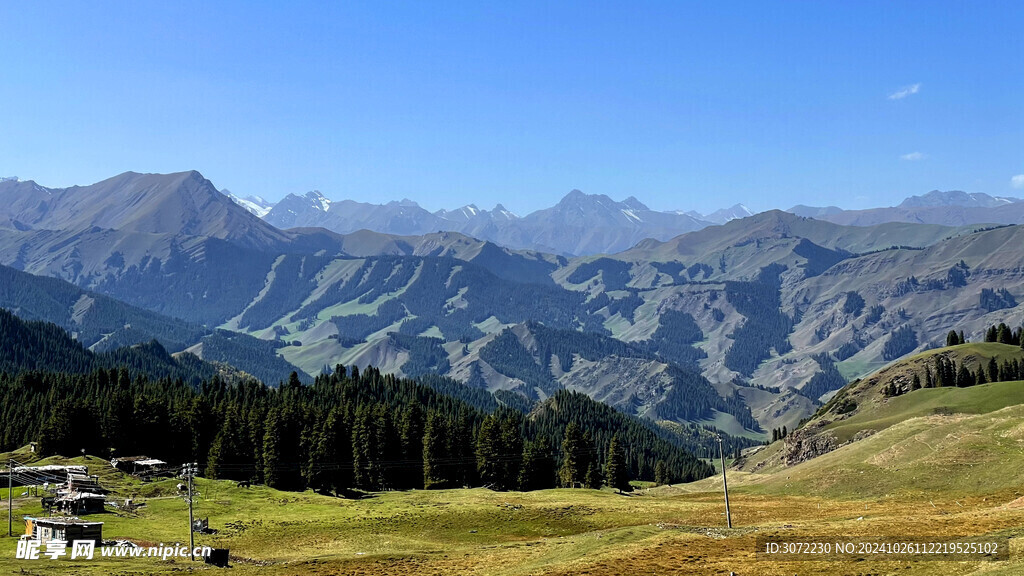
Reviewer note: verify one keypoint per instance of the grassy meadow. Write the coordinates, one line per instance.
(926, 472)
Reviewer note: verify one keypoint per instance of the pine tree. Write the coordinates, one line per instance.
(362, 448)
(615, 469)
(227, 460)
(661, 477)
(272, 449)
(916, 382)
(462, 449)
(1003, 334)
(593, 479)
(993, 369)
(964, 377)
(256, 419)
(314, 472)
(387, 448)
(928, 381)
(435, 451)
(511, 451)
(56, 435)
(570, 475)
(488, 451)
(952, 339)
(411, 440)
(589, 453)
(538, 472)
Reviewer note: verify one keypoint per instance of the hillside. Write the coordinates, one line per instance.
(904, 391)
(42, 346)
(97, 321)
(937, 456)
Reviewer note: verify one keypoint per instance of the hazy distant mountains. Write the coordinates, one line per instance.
(952, 208)
(583, 224)
(578, 224)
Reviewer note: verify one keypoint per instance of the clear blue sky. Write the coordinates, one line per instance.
(684, 105)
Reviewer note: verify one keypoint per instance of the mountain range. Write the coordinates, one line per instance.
(582, 224)
(745, 326)
(578, 224)
(951, 208)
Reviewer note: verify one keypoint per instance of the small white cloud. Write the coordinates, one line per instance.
(905, 91)
(914, 156)
(1017, 181)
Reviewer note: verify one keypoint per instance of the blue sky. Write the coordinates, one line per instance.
(684, 105)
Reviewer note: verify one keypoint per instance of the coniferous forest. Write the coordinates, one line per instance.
(349, 429)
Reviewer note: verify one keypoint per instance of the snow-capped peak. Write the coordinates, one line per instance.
(254, 204)
(724, 215)
(319, 201)
(9, 179)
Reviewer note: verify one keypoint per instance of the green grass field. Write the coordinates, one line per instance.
(936, 475)
(974, 400)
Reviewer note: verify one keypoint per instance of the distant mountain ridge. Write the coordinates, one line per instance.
(579, 224)
(950, 208)
(957, 198)
(584, 224)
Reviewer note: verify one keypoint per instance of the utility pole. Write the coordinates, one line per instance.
(725, 484)
(189, 470)
(10, 501)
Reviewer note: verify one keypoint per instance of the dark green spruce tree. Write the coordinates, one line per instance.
(615, 469)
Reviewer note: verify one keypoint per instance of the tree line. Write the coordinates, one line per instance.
(946, 371)
(349, 429)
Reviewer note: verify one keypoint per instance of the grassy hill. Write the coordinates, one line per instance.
(935, 456)
(979, 399)
(917, 428)
(863, 406)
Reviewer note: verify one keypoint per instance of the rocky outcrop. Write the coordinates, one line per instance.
(807, 443)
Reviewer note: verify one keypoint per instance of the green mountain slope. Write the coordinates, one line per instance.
(97, 321)
(895, 396)
(45, 347)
